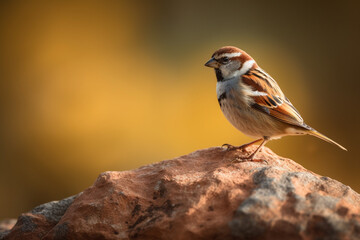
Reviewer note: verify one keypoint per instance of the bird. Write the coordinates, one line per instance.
(253, 102)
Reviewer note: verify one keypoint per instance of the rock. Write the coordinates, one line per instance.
(203, 195)
(36, 223)
(5, 226)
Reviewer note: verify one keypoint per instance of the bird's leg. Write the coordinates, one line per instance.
(252, 156)
(244, 146)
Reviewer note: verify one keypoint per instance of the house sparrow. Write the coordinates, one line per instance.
(253, 102)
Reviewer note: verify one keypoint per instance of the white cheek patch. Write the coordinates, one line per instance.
(225, 71)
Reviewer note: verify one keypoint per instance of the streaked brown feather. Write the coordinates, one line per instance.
(274, 102)
(287, 114)
(261, 81)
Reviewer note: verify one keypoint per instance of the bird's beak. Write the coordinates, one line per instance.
(212, 63)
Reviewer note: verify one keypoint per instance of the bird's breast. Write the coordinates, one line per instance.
(231, 90)
(226, 86)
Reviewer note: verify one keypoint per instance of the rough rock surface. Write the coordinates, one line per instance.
(202, 195)
(6, 225)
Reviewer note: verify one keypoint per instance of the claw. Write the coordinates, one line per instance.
(227, 146)
(251, 157)
(239, 159)
(231, 147)
(242, 147)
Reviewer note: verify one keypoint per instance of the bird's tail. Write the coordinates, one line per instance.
(315, 133)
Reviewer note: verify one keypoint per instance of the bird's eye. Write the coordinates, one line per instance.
(224, 60)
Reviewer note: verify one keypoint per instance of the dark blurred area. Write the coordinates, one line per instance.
(92, 86)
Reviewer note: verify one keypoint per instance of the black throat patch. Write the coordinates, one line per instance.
(219, 75)
(221, 97)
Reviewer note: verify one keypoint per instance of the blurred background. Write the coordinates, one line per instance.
(92, 86)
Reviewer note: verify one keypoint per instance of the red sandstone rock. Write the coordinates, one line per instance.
(202, 195)
(6, 225)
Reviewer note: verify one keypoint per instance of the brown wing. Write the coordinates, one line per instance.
(268, 97)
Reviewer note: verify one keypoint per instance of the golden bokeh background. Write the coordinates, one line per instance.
(92, 86)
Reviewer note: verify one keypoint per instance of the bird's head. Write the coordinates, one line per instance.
(230, 62)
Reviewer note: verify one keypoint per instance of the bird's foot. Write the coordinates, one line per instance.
(230, 147)
(240, 159)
